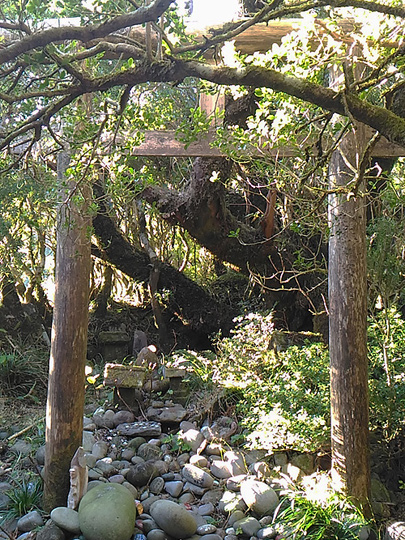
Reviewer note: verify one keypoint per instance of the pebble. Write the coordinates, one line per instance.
(117, 478)
(87, 441)
(40, 455)
(206, 529)
(220, 469)
(21, 447)
(206, 509)
(267, 532)
(128, 454)
(123, 417)
(235, 516)
(199, 461)
(157, 485)
(193, 438)
(141, 474)
(149, 451)
(50, 532)
(174, 488)
(99, 449)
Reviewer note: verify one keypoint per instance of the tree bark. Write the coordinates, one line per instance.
(348, 323)
(64, 415)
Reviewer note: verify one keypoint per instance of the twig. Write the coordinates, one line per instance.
(15, 435)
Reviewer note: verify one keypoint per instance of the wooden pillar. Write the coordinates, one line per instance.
(348, 322)
(64, 414)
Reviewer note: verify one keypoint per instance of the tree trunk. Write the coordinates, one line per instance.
(348, 323)
(187, 303)
(64, 415)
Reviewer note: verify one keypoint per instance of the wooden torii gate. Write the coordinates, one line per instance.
(346, 273)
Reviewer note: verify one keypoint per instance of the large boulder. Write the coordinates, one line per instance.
(173, 519)
(107, 512)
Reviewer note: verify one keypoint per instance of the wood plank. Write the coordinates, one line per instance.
(165, 144)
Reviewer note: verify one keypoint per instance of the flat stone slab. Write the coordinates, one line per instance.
(174, 372)
(123, 376)
(111, 337)
(135, 429)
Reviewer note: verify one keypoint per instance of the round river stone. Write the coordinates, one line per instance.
(107, 512)
(173, 519)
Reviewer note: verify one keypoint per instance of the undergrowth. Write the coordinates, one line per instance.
(282, 396)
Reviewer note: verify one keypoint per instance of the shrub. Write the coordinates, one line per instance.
(318, 513)
(386, 347)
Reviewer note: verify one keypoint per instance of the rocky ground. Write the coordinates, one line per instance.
(163, 477)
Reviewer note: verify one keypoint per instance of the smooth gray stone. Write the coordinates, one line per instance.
(4, 501)
(30, 521)
(149, 525)
(196, 490)
(157, 534)
(21, 447)
(206, 509)
(87, 441)
(248, 525)
(173, 519)
(235, 516)
(136, 442)
(161, 466)
(199, 461)
(148, 503)
(123, 417)
(236, 462)
(230, 502)
(141, 474)
(220, 469)
(40, 455)
(128, 454)
(117, 478)
(197, 476)
(193, 438)
(266, 533)
(259, 497)
(212, 496)
(99, 449)
(66, 518)
(174, 488)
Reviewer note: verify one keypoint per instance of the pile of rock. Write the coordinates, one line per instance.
(147, 485)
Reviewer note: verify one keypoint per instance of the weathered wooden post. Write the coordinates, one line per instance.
(348, 318)
(64, 414)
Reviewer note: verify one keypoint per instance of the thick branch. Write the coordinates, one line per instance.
(85, 33)
(187, 301)
(202, 211)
